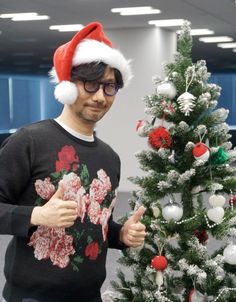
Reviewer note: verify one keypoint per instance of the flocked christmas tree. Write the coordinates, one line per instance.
(188, 190)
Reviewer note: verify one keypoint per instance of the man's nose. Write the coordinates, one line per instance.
(99, 95)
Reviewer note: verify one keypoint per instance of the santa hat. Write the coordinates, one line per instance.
(87, 46)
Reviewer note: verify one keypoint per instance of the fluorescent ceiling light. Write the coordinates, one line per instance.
(167, 22)
(31, 18)
(67, 27)
(203, 31)
(215, 39)
(5, 16)
(227, 45)
(138, 10)
(25, 16)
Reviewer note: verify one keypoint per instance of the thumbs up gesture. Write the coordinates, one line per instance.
(133, 233)
(56, 212)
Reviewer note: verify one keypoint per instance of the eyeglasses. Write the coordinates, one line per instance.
(109, 89)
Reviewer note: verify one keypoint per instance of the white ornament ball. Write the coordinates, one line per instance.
(166, 89)
(216, 200)
(230, 254)
(216, 214)
(172, 211)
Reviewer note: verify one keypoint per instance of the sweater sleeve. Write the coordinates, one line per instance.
(15, 175)
(114, 235)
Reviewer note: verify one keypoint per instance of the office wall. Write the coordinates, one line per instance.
(148, 48)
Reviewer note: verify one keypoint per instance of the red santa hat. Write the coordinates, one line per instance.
(88, 45)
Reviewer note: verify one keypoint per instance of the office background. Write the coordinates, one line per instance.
(26, 98)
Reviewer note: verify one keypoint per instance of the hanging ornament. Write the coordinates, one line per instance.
(202, 236)
(172, 211)
(230, 254)
(216, 200)
(155, 210)
(166, 89)
(160, 138)
(216, 214)
(186, 103)
(201, 152)
(219, 157)
(159, 263)
(196, 296)
(186, 99)
(142, 128)
(232, 201)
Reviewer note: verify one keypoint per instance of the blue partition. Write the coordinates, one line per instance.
(24, 100)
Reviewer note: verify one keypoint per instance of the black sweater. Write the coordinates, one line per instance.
(56, 265)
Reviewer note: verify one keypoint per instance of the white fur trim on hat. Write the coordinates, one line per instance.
(94, 51)
(66, 92)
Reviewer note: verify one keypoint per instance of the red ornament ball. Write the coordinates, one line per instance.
(160, 138)
(159, 263)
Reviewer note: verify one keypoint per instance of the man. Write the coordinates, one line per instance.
(58, 183)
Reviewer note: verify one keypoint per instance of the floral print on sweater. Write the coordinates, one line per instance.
(95, 203)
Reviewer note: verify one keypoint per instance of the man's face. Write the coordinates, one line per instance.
(91, 107)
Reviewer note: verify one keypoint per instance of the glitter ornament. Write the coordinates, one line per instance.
(219, 157)
(186, 103)
(142, 128)
(216, 200)
(232, 201)
(160, 138)
(155, 211)
(230, 254)
(159, 263)
(166, 89)
(172, 211)
(201, 152)
(202, 236)
(196, 296)
(216, 214)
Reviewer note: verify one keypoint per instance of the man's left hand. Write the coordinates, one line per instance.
(133, 233)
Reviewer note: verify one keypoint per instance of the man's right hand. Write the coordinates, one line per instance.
(56, 212)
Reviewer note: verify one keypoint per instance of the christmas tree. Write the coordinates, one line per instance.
(188, 190)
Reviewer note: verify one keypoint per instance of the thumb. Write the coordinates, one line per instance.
(60, 190)
(138, 214)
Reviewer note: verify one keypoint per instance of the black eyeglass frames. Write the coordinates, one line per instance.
(109, 88)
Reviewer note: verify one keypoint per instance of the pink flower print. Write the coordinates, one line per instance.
(81, 199)
(94, 212)
(44, 188)
(72, 185)
(40, 240)
(104, 179)
(106, 213)
(61, 248)
(97, 191)
(67, 159)
(52, 243)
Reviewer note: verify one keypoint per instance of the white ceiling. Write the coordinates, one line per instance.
(39, 42)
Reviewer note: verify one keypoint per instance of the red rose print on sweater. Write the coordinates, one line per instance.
(92, 250)
(67, 159)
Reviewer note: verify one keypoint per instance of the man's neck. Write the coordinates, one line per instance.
(75, 123)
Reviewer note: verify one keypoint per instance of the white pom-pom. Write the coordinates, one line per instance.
(66, 92)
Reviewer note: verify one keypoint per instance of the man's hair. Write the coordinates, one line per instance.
(93, 71)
